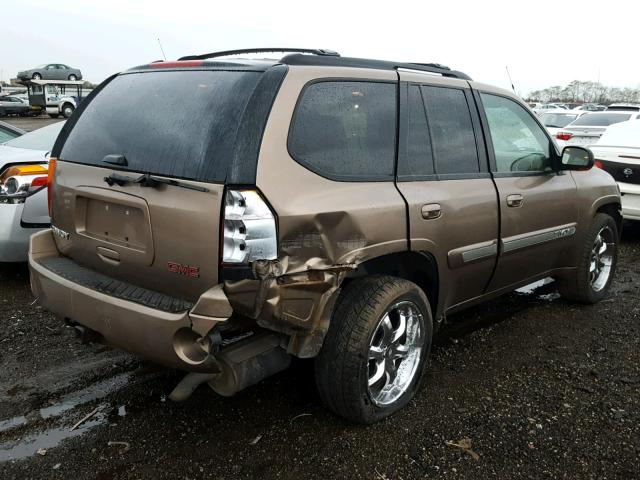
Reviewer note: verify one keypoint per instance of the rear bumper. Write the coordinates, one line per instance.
(630, 201)
(14, 237)
(168, 338)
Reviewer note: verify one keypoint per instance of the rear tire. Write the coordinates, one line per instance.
(73, 78)
(597, 265)
(374, 354)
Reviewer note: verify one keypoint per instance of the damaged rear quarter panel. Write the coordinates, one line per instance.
(326, 228)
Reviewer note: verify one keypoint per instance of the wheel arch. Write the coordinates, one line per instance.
(420, 268)
(612, 209)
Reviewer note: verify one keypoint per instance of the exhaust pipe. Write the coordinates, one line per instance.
(248, 362)
(241, 365)
(85, 334)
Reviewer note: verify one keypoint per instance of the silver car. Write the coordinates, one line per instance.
(587, 129)
(23, 193)
(51, 71)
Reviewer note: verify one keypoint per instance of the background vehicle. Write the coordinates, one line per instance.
(51, 71)
(56, 97)
(590, 107)
(556, 120)
(626, 107)
(9, 132)
(10, 105)
(617, 152)
(587, 129)
(23, 193)
(546, 107)
(287, 223)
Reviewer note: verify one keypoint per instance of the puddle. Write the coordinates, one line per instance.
(49, 438)
(12, 423)
(30, 444)
(72, 400)
(544, 289)
(93, 392)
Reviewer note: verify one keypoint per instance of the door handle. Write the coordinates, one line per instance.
(431, 211)
(515, 200)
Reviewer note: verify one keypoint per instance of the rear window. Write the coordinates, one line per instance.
(179, 124)
(454, 143)
(557, 120)
(601, 119)
(346, 130)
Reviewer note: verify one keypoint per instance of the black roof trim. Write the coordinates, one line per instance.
(333, 61)
(226, 53)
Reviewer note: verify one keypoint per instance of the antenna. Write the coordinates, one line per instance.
(162, 50)
(510, 81)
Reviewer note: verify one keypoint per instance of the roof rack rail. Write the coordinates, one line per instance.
(333, 61)
(226, 53)
(431, 65)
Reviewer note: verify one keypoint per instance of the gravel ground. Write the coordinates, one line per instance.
(525, 386)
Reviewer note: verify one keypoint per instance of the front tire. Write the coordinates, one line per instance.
(67, 110)
(598, 259)
(374, 354)
(36, 76)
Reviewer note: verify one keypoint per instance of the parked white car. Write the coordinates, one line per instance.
(618, 152)
(624, 106)
(587, 129)
(556, 120)
(23, 190)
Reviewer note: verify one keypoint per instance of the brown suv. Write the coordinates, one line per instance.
(220, 216)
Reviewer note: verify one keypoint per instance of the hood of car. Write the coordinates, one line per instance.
(21, 155)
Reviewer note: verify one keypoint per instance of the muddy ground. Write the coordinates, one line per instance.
(540, 387)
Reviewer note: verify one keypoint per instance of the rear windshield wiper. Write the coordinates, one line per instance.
(148, 180)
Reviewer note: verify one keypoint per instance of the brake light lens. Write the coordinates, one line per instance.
(598, 164)
(249, 228)
(564, 136)
(50, 176)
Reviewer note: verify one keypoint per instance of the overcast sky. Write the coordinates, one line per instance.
(542, 42)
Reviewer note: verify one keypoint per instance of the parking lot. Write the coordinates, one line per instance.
(29, 124)
(526, 386)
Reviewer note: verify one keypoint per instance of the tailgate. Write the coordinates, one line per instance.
(186, 127)
(163, 238)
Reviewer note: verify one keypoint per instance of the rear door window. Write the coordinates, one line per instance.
(417, 158)
(346, 130)
(451, 127)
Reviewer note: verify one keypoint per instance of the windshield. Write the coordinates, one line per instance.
(600, 119)
(41, 139)
(557, 120)
(179, 124)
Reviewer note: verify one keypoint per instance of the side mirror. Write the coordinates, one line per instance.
(576, 158)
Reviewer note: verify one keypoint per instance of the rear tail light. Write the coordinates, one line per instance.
(249, 228)
(564, 136)
(50, 176)
(19, 181)
(598, 164)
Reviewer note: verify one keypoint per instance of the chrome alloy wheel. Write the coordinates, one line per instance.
(395, 352)
(601, 259)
